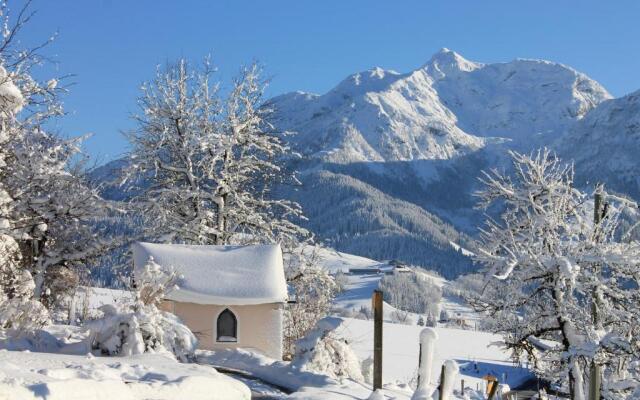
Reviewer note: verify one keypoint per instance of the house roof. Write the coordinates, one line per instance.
(226, 275)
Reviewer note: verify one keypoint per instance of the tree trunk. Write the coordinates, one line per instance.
(222, 220)
(39, 270)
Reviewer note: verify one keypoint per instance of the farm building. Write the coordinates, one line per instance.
(229, 296)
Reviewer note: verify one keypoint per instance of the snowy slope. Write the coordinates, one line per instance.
(606, 143)
(515, 100)
(359, 287)
(335, 261)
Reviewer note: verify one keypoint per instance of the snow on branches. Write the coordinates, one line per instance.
(18, 311)
(562, 289)
(204, 165)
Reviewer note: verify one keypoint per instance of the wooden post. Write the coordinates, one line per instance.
(597, 205)
(442, 378)
(595, 382)
(493, 390)
(419, 362)
(462, 387)
(377, 339)
(595, 376)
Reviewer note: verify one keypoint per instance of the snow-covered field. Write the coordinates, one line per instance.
(472, 350)
(26, 376)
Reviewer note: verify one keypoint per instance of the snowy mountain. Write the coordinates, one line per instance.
(392, 159)
(448, 107)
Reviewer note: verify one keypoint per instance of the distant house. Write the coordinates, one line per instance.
(364, 271)
(229, 296)
(402, 269)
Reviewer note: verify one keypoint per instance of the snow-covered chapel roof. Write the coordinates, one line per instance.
(227, 275)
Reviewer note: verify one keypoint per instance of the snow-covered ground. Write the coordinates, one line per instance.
(303, 384)
(26, 376)
(32, 375)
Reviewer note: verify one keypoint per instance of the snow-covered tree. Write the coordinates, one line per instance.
(562, 290)
(53, 212)
(203, 165)
(18, 311)
(51, 208)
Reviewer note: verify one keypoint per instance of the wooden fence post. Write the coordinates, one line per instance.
(441, 389)
(595, 382)
(462, 387)
(419, 362)
(493, 390)
(377, 339)
(595, 376)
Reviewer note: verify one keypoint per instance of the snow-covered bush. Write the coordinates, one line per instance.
(401, 317)
(323, 352)
(145, 328)
(367, 369)
(411, 292)
(342, 280)
(313, 289)
(20, 313)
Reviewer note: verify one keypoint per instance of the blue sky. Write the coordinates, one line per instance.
(113, 46)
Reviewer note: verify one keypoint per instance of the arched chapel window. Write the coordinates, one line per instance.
(227, 327)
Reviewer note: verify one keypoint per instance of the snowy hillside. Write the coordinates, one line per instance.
(606, 143)
(355, 217)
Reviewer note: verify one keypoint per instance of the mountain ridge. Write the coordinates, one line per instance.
(448, 107)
